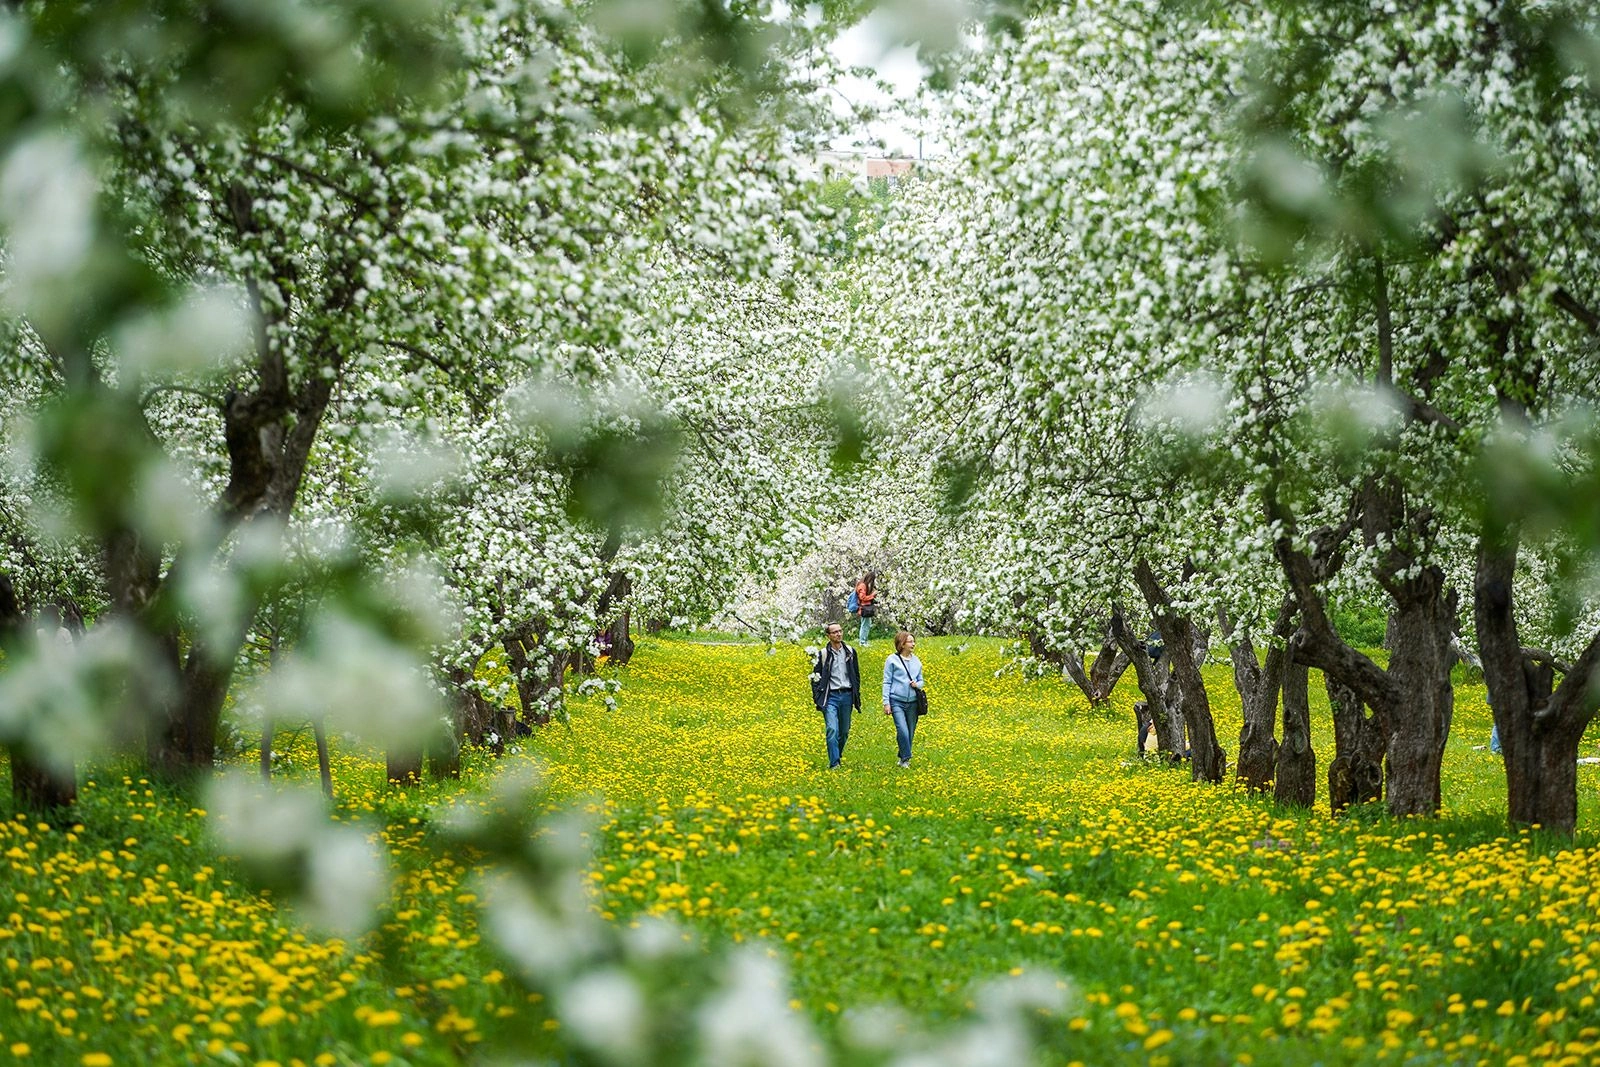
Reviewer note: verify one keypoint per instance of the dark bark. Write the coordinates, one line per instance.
(1420, 663)
(615, 636)
(1185, 645)
(1107, 670)
(36, 785)
(1359, 742)
(184, 740)
(1413, 696)
(470, 717)
(1259, 685)
(1296, 769)
(444, 750)
(474, 717)
(267, 730)
(1162, 697)
(319, 730)
(1540, 724)
(1101, 677)
(403, 766)
(269, 432)
(619, 639)
(1096, 680)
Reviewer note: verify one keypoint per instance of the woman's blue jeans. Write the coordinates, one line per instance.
(905, 725)
(865, 630)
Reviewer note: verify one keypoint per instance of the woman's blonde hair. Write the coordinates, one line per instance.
(900, 639)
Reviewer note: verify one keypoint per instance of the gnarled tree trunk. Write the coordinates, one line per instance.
(1419, 662)
(1359, 742)
(1296, 766)
(1540, 724)
(1162, 698)
(615, 638)
(540, 672)
(403, 766)
(1259, 686)
(1185, 645)
(36, 785)
(1102, 676)
(1414, 695)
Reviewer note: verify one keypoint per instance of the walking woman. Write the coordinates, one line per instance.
(902, 679)
(866, 604)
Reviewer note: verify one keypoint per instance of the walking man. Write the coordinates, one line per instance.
(836, 690)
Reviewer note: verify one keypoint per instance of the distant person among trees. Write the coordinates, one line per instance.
(836, 690)
(902, 680)
(866, 604)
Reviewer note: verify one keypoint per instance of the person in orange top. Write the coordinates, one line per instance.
(866, 604)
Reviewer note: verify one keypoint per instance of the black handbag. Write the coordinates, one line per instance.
(919, 696)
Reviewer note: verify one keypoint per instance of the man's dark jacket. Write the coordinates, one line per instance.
(822, 670)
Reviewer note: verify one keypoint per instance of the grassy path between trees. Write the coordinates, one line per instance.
(1190, 924)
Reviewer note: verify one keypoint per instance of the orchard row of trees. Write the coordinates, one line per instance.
(350, 357)
(1225, 322)
(353, 356)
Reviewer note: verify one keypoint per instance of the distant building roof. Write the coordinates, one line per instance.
(889, 168)
(867, 166)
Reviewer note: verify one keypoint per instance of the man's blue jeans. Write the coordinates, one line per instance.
(836, 724)
(905, 726)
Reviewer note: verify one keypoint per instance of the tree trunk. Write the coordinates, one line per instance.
(517, 659)
(620, 636)
(470, 717)
(403, 767)
(1038, 647)
(614, 637)
(618, 639)
(1296, 769)
(1258, 688)
(1207, 760)
(1540, 724)
(473, 716)
(1413, 696)
(319, 730)
(182, 743)
(1185, 646)
(1107, 670)
(266, 749)
(444, 747)
(444, 750)
(38, 787)
(1161, 694)
(540, 673)
(1420, 661)
(35, 785)
(268, 432)
(1359, 742)
(1097, 682)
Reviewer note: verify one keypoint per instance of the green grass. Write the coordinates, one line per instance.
(1193, 924)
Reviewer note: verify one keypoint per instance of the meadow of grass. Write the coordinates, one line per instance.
(1190, 924)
